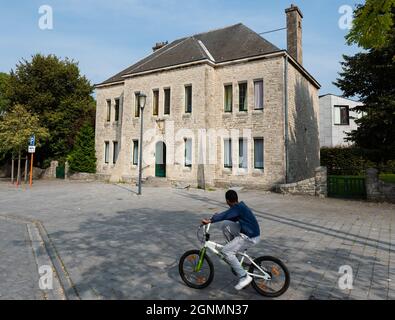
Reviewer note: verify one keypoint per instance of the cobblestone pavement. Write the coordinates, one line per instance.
(116, 245)
(18, 270)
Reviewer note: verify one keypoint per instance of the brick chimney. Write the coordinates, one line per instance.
(159, 45)
(294, 33)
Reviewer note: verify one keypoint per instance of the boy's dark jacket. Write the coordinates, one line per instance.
(242, 214)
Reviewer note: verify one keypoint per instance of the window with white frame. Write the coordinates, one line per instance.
(188, 153)
(228, 153)
(342, 115)
(243, 153)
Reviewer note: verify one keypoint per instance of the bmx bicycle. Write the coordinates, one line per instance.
(270, 276)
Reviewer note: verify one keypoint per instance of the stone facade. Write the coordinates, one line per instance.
(378, 190)
(208, 116)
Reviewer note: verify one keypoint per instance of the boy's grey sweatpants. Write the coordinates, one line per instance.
(238, 242)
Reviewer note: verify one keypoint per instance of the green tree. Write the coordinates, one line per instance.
(83, 156)
(373, 25)
(16, 127)
(4, 102)
(54, 90)
(370, 76)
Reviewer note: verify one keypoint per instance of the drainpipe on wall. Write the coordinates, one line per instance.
(286, 116)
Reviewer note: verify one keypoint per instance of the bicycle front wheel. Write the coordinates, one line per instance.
(187, 270)
(279, 274)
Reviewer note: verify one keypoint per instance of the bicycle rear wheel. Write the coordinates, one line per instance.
(280, 278)
(193, 279)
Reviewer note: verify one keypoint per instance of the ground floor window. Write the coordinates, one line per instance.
(188, 152)
(115, 152)
(243, 154)
(228, 153)
(258, 153)
(135, 152)
(106, 152)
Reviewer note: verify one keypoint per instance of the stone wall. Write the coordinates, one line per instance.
(316, 186)
(378, 190)
(50, 173)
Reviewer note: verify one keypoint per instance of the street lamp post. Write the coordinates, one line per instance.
(142, 100)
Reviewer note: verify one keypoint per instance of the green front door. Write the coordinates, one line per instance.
(160, 160)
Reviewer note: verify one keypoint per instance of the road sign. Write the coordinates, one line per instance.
(32, 149)
(32, 140)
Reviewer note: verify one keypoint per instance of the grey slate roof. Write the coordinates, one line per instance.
(231, 43)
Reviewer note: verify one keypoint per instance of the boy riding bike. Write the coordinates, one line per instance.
(242, 231)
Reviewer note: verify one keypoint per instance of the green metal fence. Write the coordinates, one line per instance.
(349, 187)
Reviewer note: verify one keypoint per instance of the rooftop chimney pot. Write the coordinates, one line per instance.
(159, 45)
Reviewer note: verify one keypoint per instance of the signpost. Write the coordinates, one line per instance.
(32, 150)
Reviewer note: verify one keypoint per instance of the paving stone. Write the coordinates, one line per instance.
(130, 249)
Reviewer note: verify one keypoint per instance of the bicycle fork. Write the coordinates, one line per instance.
(201, 259)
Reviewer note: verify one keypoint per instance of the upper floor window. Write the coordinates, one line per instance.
(228, 98)
(155, 102)
(136, 105)
(243, 101)
(342, 115)
(167, 101)
(108, 110)
(258, 94)
(117, 107)
(188, 99)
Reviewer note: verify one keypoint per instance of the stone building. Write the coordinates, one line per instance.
(225, 107)
(337, 118)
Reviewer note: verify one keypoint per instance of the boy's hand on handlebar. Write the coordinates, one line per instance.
(206, 221)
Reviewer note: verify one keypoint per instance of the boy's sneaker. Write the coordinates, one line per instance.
(244, 282)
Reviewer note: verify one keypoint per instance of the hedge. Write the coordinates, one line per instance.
(352, 161)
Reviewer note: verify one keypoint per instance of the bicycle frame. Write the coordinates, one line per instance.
(216, 249)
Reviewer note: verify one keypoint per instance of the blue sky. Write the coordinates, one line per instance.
(106, 36)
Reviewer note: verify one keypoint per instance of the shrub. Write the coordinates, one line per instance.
(347, 161)
(83, 156)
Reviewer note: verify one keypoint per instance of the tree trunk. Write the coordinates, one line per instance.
(19, 169)
(26, 167)
(12, 169)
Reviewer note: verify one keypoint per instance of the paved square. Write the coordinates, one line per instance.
(116, 245)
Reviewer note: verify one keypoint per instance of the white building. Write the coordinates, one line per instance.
(336, 119)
